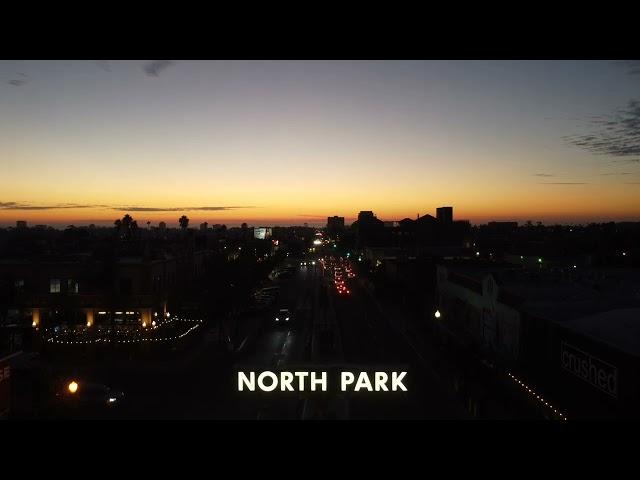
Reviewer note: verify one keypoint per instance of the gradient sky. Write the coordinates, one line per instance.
(291, 142)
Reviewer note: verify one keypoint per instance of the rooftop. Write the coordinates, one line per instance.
(602, 303)
(619, 327)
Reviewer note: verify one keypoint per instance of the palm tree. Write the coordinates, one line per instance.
(127, 226)
(184, 222)
(127, 219)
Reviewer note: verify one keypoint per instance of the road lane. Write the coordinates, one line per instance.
(277, 346)
(369, 339)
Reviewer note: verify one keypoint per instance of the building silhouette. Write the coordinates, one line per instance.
(444, 214)
(335, 225)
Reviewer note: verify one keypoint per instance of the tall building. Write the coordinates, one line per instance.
(335, 225)
(366, 215)
(369, 230)
(444, 214)
(21, 224)
(204, 225)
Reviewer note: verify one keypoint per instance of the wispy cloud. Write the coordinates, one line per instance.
(633, 66)
(131, 208)
(628, 160)
(616, 174)
(174, 209)
(563, 183)
(543, 175)
(154, 68)
(28, 206)
(616, 134)
(20, 80)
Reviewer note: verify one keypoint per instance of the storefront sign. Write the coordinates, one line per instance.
(592, 370)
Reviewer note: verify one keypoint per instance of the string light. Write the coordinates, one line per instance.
(536, 395)
(198, 323)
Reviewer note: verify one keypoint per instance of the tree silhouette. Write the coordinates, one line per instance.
(184, 222)
(126, 226)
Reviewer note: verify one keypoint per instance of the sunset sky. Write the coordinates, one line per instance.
(292, 142)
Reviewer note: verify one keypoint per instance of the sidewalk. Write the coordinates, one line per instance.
(485, 393)
(427, 350)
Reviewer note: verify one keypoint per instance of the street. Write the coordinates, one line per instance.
(202, 382)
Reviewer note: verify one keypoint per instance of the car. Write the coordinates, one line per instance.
(283, 317)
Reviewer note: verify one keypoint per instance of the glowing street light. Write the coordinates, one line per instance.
(72, 387)
(437, 314)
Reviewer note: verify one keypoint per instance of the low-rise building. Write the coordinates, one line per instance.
(572, 333)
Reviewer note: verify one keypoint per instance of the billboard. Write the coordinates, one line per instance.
(262, 232)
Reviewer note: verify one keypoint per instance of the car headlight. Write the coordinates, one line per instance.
(277, 319)
(286, 319)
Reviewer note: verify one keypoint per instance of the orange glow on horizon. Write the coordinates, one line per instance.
(479, 198)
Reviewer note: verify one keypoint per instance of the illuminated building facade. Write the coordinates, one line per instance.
(82, 290)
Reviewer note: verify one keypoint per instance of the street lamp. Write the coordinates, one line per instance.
(437, 314)
(72, 387)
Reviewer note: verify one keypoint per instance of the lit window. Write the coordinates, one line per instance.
(19, 284)
(54, 285)
(72, 286)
